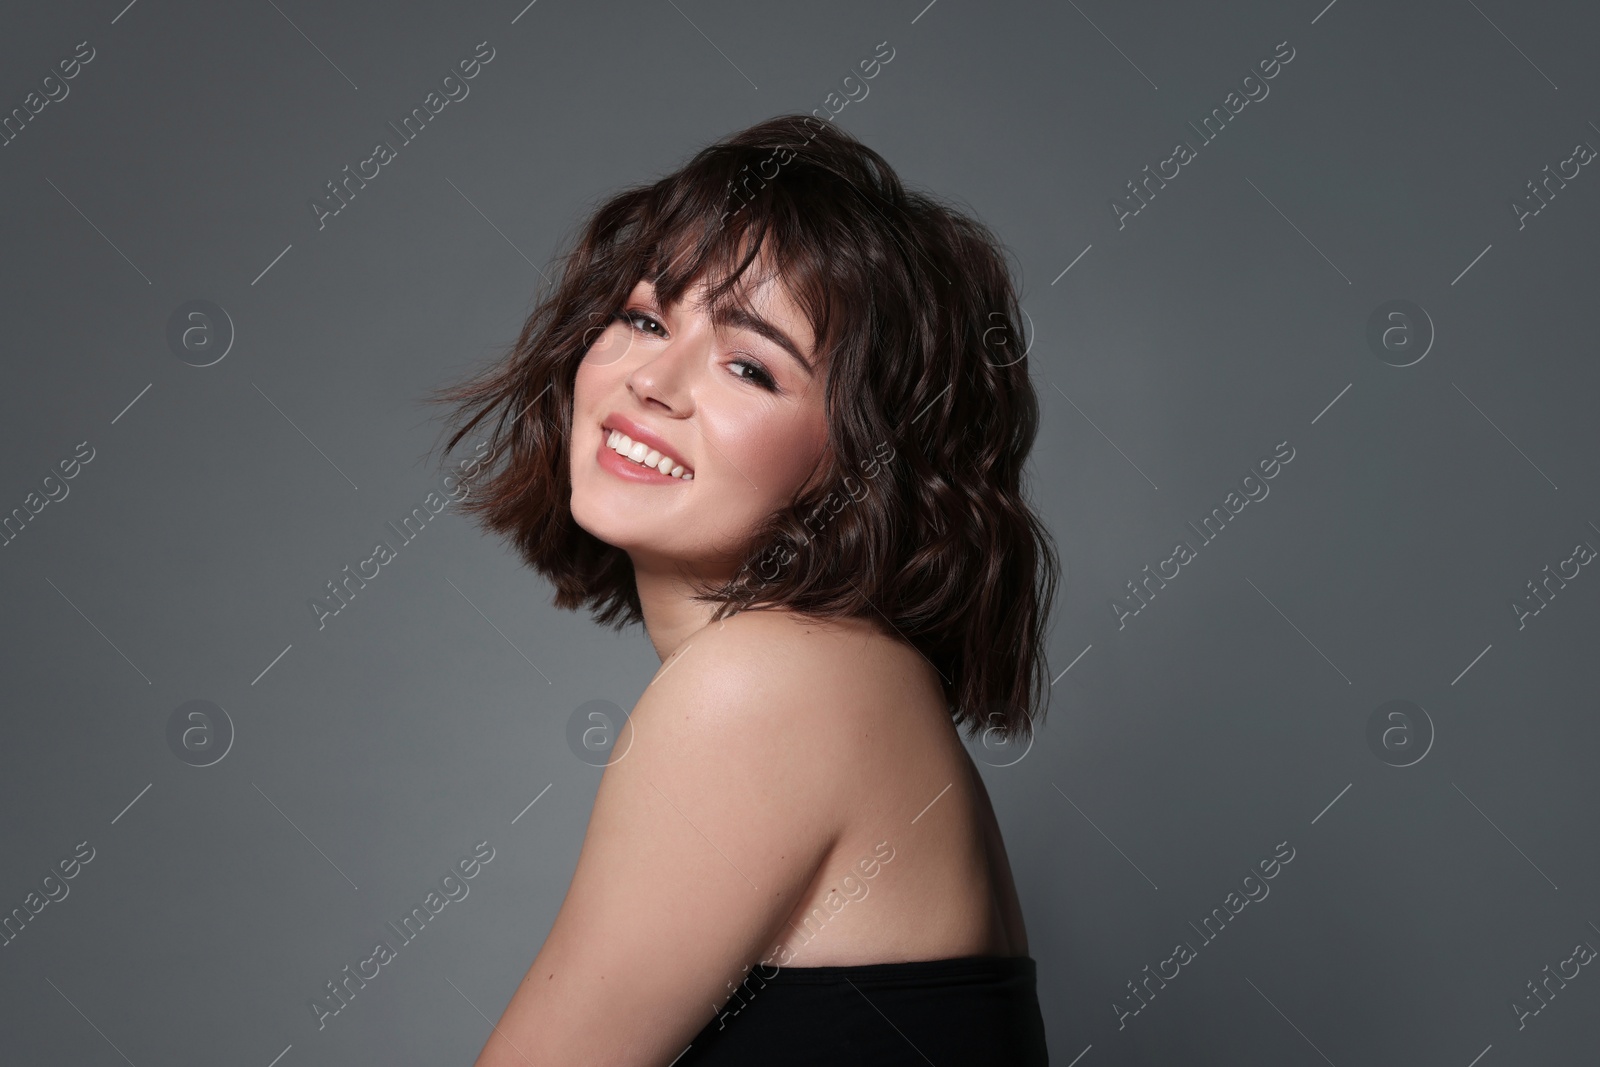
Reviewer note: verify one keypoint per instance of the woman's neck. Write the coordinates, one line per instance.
(671, 613)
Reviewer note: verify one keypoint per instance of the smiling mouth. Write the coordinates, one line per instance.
(642, 454)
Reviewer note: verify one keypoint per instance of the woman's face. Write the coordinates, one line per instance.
(727, 402)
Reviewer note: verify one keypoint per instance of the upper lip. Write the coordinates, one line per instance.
(623, 424)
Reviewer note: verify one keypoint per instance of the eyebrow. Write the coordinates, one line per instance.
(744, 319)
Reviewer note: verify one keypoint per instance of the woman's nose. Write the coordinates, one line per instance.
(666, 372)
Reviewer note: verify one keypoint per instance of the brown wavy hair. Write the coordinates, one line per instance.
(916, 517)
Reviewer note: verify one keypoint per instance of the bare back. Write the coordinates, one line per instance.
(920, 871)
(795, 794)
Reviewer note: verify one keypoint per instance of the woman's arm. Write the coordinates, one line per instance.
(702, 840)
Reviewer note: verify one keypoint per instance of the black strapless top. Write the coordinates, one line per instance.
(974, 1010)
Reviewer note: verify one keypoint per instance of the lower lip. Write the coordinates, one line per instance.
(627, 468)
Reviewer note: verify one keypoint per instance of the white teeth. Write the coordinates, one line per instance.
(640, 453)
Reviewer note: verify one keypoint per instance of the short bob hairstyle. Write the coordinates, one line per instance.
(916, 517)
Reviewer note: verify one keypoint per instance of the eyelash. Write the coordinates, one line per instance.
(761, 379)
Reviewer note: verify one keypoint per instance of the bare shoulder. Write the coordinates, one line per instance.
(832, 644)
(707, 832)
(816, 703)
(819, 672)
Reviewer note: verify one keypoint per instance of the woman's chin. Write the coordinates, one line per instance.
(639, 535)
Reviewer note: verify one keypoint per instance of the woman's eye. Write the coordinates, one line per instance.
(760, 375)
(633, 318)
(757, 374)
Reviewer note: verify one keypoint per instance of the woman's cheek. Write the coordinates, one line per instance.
(608, 347)
(796, 456)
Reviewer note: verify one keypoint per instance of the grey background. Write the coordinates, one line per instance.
(1229, 315)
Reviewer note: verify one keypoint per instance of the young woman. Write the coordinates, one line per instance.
(777, 410)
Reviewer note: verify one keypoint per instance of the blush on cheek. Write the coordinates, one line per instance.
(784, 461)
(605, 355)
(592, 382)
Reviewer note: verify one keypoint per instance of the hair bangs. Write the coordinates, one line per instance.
(772, 238)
